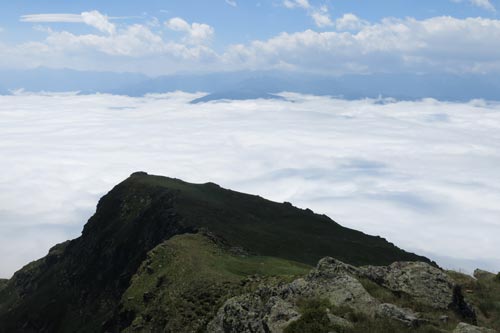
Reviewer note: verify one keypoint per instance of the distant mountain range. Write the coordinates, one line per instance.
(259, 84)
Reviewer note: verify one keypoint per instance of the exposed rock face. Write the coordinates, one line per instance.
(251, 313)
(466, 328)
(332, 280)
(273, 309)
(425, 283)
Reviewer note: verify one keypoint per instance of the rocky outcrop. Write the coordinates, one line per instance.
(271, 309)
(253, 313)
(425, 283)
(332, 280)
(467, 328)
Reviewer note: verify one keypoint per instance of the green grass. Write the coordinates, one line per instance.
(273, 229)
(188, 277)
(314, 319)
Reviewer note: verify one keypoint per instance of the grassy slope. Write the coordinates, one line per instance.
(275, 229)
(186, 279)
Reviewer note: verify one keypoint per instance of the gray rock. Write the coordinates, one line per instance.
(279, 315)
(425, 283)
(242, 314)
(272, 309)
(406, 316)
(466, 328)
(332, 280)
(480, 274)
(339, 322)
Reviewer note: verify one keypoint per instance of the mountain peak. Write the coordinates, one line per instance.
(91, 273)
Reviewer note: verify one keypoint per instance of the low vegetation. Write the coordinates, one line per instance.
(314, 319)
(188, 277)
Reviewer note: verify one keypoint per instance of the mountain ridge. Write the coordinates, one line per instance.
(78, 286)
(258, 84)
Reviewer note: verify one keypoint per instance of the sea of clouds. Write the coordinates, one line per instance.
(424, 174)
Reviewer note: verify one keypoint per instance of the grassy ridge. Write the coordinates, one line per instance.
(273, 229)
(184, 280)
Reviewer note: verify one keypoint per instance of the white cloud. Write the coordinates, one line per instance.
(231, 3)
(98, 21)
(485, 4)
(350, 22)
(320, 15)
(93, 18)
(393, 45)
(297, 4)
(355, 46)
(198, 33)
(423, 174)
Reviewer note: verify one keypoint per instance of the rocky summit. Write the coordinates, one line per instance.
(163, 255)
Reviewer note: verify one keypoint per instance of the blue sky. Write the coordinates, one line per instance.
(34, 40)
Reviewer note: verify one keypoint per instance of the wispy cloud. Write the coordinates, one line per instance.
(423, 174)
(485, 4)
(52, 18)
(231, 3)
(94, 19)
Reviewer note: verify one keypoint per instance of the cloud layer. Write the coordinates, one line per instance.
(422, 174)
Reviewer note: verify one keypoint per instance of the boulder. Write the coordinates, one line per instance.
(425, 283)
(481, 274)
(332, 280)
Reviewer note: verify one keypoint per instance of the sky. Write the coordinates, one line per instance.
(323, 36)
(423, 174)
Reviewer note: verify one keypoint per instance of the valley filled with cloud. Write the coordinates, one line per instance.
(422, 174)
